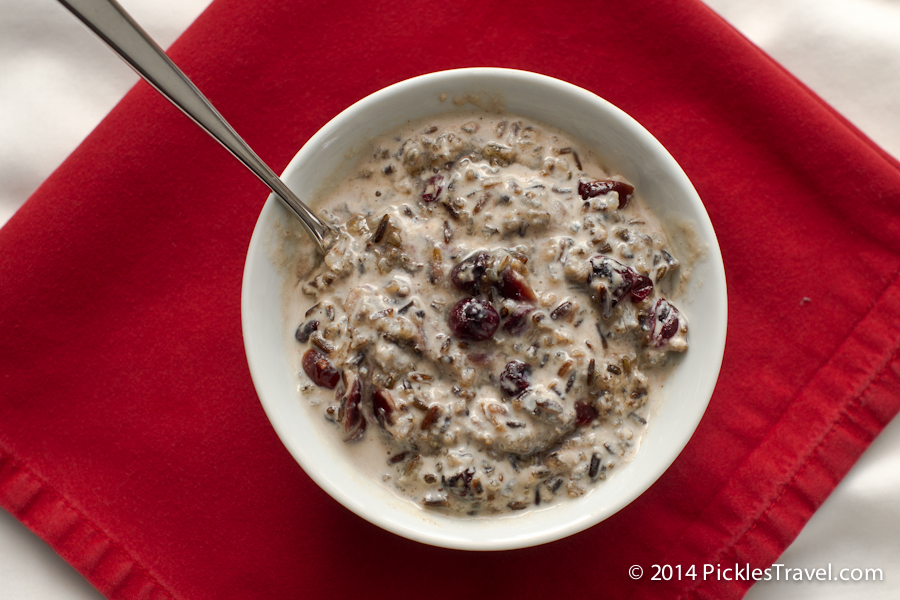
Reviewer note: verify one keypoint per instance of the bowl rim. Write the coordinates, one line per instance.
(713, 259)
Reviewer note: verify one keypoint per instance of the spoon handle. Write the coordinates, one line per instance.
(115, 27)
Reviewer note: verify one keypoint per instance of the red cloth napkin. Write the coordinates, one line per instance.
(131, 438)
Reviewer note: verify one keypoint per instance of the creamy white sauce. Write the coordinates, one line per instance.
(549, 387)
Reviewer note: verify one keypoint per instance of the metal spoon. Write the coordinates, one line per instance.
(115, 27)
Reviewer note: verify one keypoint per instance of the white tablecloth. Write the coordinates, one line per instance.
(57, 82)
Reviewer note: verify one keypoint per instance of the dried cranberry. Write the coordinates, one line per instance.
(618, 281)
(584, 413)
(514, 378)
(473, 319)
(621, 281)
(513, 286)
(641, 287)
(467, 275)
(319, 369)
(383, 406)
(433, 188)
(350, 413)
(662, 322)
(517, 321)
(591, 189)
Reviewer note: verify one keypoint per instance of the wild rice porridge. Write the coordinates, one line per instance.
(493, 320)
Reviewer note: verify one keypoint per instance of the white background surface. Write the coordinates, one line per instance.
(57, 82)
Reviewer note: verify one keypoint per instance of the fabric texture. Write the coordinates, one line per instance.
(131, 438)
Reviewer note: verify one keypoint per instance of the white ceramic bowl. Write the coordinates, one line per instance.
(628, 149)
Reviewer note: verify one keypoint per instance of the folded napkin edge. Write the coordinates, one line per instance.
(857, 386)
(81, 542)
